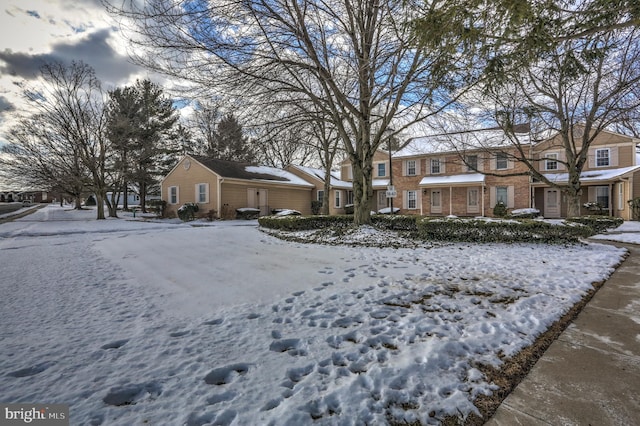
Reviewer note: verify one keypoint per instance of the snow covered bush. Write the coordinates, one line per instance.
(500, 231)
(247, 213)
(187, 211)
(599, 224)
(305, 223)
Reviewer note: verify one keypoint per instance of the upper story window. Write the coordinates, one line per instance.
(411, 168)
(382, 169)
(435, 166)
(501, 161)
(472, 163)
(603, 157)
(551, 161)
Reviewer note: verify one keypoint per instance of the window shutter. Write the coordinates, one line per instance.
(613, 159)
(592, 158)
(492, 165)
(510, 196)
(492, 197)
(442, 166)
(404, 167)
(405, 199)
(480, 163)
(197, 193)
(418, 161)
(592, 194)
(510, 163)
(562, 157)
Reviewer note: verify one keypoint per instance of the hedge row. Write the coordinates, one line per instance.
(496, 231)
(458, 229)
(599, 224)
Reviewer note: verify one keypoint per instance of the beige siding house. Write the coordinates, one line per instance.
(340, 191)
(610, 178)
(224, 186)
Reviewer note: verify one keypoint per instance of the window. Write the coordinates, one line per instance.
(349, 197)
(472, 197)
(202, 193)
(602, 157)
(173, 195)
(320, 195)
(602, 196)
(338, 201)
(435, 166)
(501, 161)
(412, 200)
(472, 163)
(502, 195)
(551, 161)
(411, 167)
(621, 196)
(382, 169)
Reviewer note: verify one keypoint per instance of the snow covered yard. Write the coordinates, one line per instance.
(138, 322)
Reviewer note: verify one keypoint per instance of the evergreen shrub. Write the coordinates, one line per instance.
(188, 211)
(305, 223)
(395, 222)
(599, 224)
(499, 231)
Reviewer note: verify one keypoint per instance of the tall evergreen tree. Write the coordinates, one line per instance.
(142, 120)
(229, 142)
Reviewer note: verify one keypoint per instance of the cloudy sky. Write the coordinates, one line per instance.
(37, 31)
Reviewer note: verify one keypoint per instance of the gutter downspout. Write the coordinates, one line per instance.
(219, 197)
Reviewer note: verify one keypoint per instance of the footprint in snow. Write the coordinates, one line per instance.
(179, 333)
(221, 397)
(132, 394)
(224, 375)
(115, 344)
(31, 371)
(298, 373)
(294, 347)
(216, 321)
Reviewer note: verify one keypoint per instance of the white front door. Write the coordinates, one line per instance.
(262, 201)
(436, 201)
(551, 202)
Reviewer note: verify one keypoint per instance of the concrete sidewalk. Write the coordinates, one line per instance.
(591, 374)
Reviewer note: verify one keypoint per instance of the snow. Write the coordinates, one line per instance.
(162, 322)
(290, 177)
(593, 175)
(469, 178)
(319, 174)
(628, 232)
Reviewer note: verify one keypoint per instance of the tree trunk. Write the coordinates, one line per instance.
(78, 202)
(362, 191)
(573, 193)
(100, 205)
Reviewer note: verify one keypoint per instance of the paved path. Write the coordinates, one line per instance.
(591, 374)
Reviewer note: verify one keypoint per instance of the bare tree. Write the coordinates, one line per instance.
(70, 121)
(38, 157)
(569, 98)
(356, 60)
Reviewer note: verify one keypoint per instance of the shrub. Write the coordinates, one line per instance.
(247, 213)
(315, 207)
(500, 210)
(188, 211)
(211, 215)
(158, 207)
(91, 201)
(227, 212)
(305, 223)
(599, 224)
(504, 231)
(395, 222)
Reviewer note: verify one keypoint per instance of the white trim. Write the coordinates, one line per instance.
(169, 195)
(206, 193)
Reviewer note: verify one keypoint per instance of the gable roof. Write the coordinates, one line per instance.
(319, 174)
(246, 171)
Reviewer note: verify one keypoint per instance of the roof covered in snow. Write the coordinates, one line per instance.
(319, 174)
(460, 141)
(464, 179)
(246, 171)
(593, 175)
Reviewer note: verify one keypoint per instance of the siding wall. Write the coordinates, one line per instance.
(186, 180)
